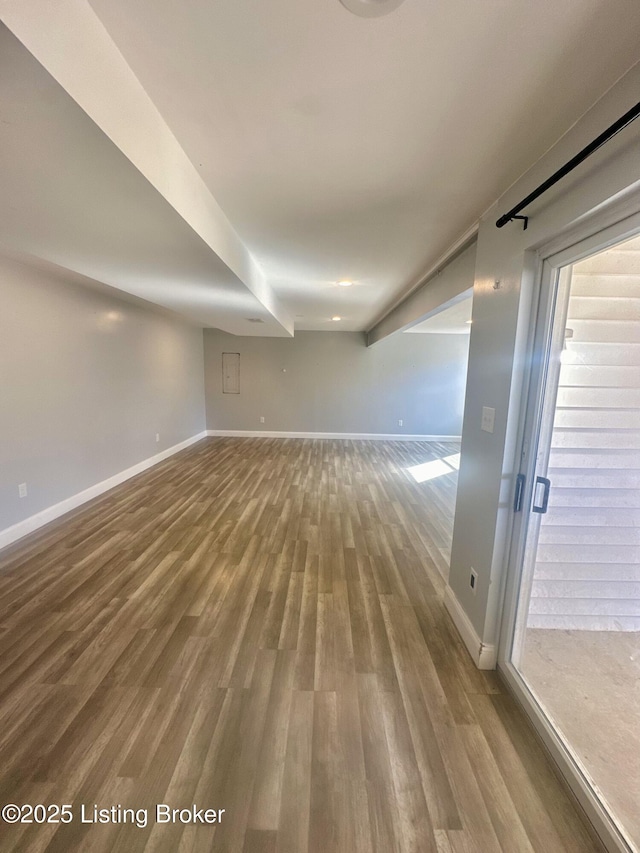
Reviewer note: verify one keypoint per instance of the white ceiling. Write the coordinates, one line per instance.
(336, 146)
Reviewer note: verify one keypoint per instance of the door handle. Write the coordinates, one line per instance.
(545, 495)
(517, 500)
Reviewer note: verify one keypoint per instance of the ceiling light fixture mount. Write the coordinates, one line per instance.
(336, 319)
(345, 283)
(371, 8)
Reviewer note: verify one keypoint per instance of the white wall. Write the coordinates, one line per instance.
(87, 380)
(508, 257)
(332, 382)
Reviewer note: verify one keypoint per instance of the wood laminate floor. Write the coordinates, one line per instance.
(256, 625)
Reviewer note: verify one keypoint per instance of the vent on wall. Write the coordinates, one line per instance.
(253, 320)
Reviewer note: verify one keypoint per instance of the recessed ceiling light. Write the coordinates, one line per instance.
(469, 322)
(335, 319)
(371, 8)
(345, 283)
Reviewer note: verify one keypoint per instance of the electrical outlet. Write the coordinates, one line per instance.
(400, 422)
(157, 436)
(473, 581)
(261, 419)
(22, 490)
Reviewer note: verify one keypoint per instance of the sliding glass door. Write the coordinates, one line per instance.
(573, 644)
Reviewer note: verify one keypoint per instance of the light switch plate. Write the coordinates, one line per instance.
(488, 419)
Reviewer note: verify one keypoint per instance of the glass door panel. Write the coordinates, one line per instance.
(577, 632)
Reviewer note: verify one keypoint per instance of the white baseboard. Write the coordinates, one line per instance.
(366, 436)
(484, 655)
(34, 522)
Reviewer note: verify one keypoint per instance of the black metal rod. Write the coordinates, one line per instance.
(598, 142)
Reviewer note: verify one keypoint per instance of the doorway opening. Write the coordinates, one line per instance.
(576, 638)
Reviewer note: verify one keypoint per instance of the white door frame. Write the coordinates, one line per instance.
(602, 231)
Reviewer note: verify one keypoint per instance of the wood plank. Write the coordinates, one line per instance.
(295, 802)
(257, 625)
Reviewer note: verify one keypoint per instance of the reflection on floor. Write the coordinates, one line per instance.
(589, 682)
